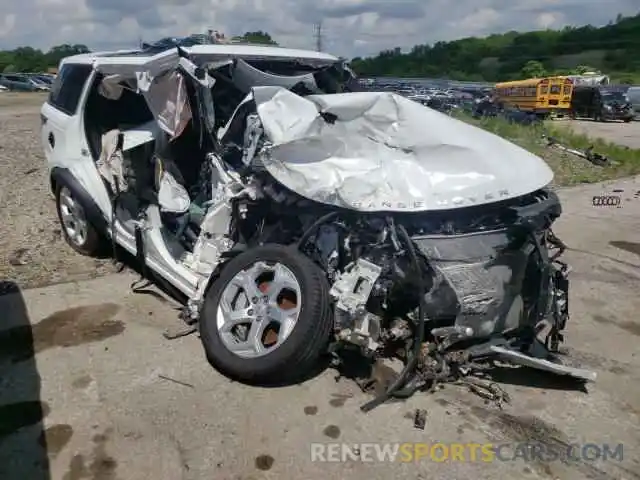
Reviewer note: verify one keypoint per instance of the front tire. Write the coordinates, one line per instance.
(78, 232)
(267, 318)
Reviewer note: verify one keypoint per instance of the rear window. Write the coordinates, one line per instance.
(68, 86)
(555, 89)
(614, 97)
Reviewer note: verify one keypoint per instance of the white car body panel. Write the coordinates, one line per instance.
(388, 153)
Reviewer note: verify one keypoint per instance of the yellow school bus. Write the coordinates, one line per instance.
(543, 96)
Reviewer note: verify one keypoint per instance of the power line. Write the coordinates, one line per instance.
(318, 35)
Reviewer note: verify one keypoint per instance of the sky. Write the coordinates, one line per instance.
(350, 27)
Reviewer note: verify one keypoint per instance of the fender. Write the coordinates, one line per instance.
(62, 176)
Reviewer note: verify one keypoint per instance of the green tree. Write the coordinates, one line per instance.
(582, 69)
(28, 59)
(533, 69)
(612, 48)
(59, 52)
(258, 37)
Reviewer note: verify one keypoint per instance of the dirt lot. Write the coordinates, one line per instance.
(94, 391)
(627, 134)
(32, 250)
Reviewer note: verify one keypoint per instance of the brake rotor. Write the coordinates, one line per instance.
(285, 302)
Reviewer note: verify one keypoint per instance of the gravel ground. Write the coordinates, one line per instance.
(626, 134)
(32, 250)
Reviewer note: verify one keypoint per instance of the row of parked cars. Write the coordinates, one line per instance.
(599, 102)
(476, 101)
(26, 82)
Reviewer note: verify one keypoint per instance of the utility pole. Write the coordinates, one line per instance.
(318, 35)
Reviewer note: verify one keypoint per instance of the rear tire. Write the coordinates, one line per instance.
(287, 360)
(78, 232)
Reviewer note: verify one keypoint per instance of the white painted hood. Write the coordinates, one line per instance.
(387, 153)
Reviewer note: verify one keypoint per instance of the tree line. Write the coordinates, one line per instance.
(614, 49)
(28, 59)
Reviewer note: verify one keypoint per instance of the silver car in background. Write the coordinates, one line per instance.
(633, 94)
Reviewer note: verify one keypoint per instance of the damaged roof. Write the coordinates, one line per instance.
(209, 53)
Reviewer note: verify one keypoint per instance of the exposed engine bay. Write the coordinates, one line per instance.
(447, 284)
(444, 293)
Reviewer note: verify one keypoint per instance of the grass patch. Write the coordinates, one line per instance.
(569, 169)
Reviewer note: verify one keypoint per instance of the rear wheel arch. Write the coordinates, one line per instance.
(53, 184)
(62, 178)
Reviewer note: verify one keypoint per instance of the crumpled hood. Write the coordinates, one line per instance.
(382, 152)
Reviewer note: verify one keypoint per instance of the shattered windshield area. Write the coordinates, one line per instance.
(333, 78)
(235, 80)
(611, 97)
(337, 78)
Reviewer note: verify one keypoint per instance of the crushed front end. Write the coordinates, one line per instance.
(449, 292)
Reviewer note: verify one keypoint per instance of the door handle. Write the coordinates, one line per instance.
(52, 140)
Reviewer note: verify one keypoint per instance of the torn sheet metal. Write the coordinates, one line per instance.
(152, 65)
(245, 77)
(373, 151)
(541, 364)
(588, 154)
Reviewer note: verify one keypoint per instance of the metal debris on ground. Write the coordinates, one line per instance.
(173, 380)
(489, 391)
(420, 419)
(588, 154)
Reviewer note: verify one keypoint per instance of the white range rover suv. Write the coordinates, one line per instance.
(298, 216)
